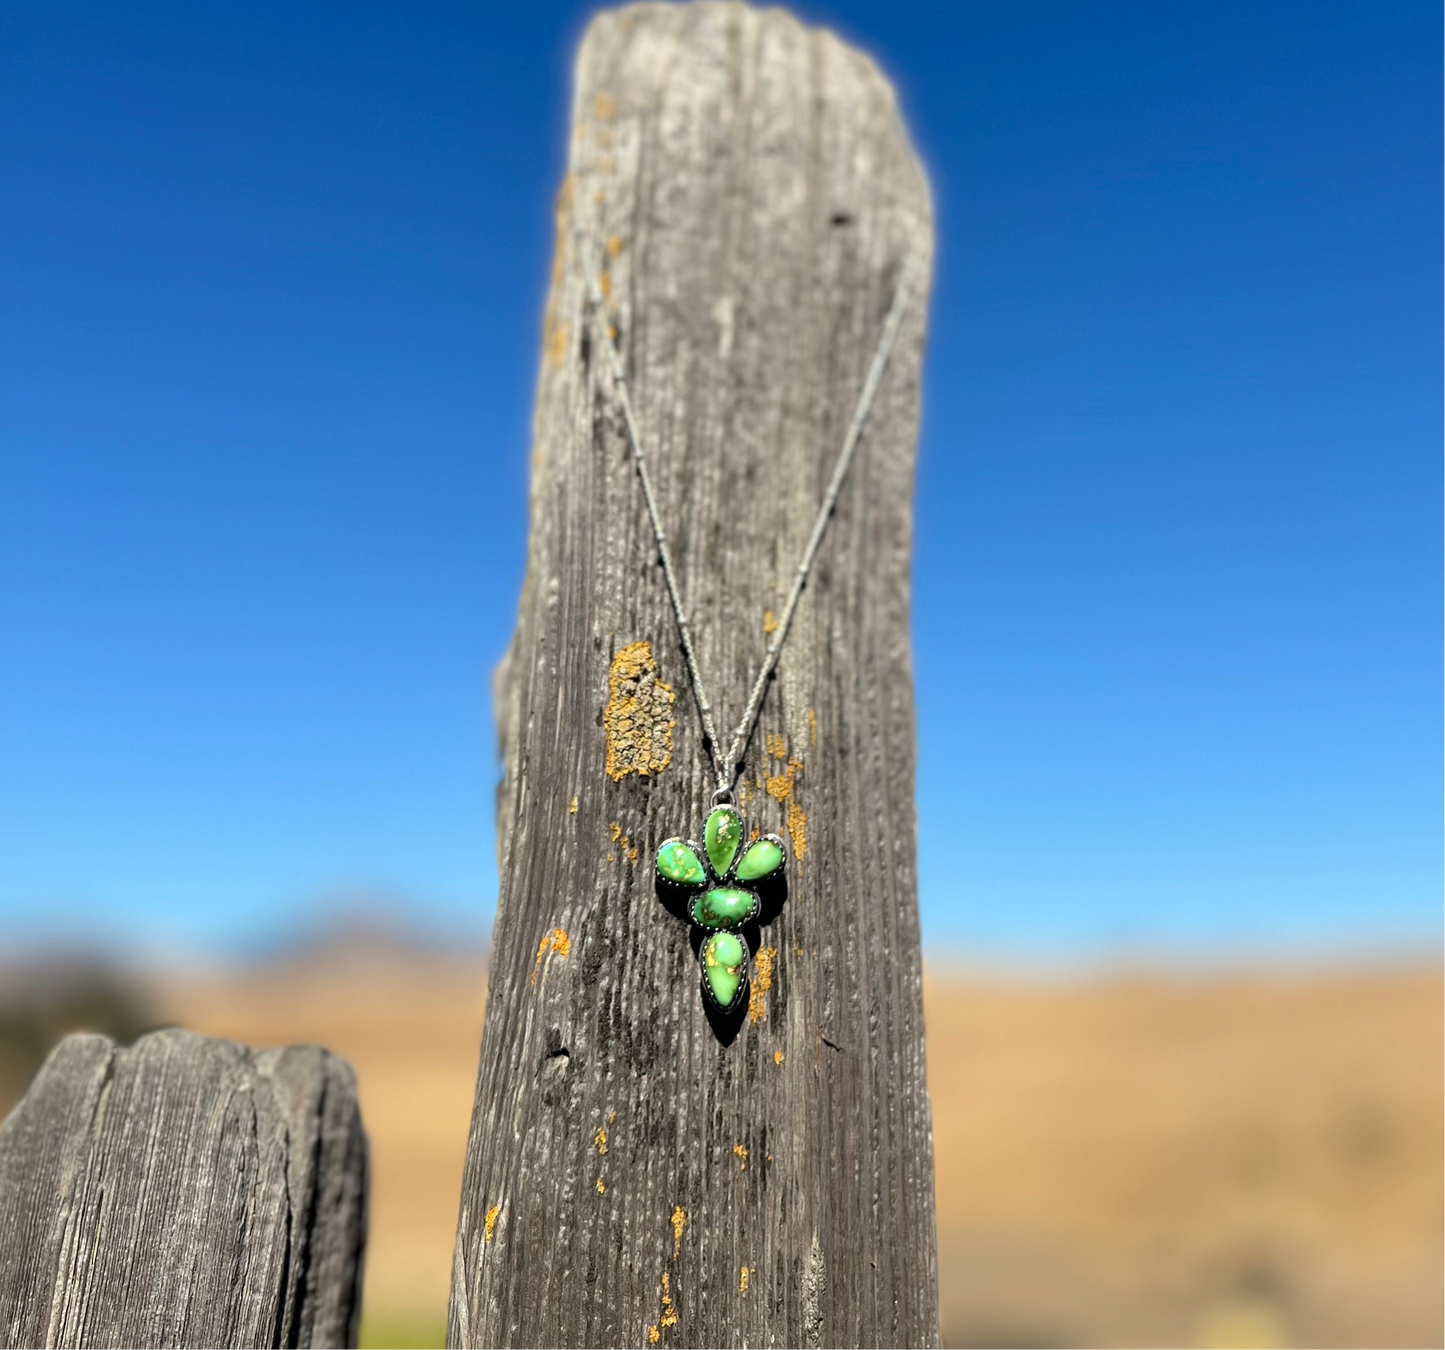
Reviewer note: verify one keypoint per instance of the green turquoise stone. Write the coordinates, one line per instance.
(677, 863)
(724, 965)
(762, 859)
(721, 837)
(722, 907)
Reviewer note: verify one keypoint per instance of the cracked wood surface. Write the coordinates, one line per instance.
(632, 1177)
(183, 1191)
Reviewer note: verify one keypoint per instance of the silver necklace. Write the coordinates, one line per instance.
(725, 882)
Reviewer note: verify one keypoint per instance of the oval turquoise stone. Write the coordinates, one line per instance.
(762, 859)
(724, 964)
(722, 907)
(679, 864)
(721, 836)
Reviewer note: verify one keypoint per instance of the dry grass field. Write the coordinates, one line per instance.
(1246, 1160)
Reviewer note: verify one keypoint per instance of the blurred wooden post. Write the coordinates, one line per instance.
(183, 1191)
(631, 1177)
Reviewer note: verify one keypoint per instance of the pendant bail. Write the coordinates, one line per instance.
(723, 797)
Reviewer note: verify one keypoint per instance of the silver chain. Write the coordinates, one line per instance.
(725, 770)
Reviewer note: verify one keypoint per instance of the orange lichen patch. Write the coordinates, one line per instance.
(770, 623)
(604, 108)
(614, 245)
(743, 1280)
(601, 1186)
(669, 1313)
(781, 787)
(777, 1056)
(798, 830)
(638, 717)
(742, 1156)
(600, 1140)
(611, 1116)
(604, 284)
(812, 727)
(762, 982)
(556, 339)
(624, 843)
(557, 941)
(572, 807)
(679, 1222)
(489, 1224)
(562, 214)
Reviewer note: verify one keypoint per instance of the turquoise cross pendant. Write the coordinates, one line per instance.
(722, 877)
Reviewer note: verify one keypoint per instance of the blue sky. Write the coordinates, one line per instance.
(272, 280)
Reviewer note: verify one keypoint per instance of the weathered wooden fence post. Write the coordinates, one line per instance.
(183, 1191)
(748, 187)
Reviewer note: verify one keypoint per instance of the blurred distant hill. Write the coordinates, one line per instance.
(1140, 1159)
(45, 997)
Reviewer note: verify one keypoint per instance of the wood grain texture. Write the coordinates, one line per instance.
(183, 1191)
(631, 1177)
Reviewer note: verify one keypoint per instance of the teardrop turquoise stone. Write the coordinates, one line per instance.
(721, 837)
(679, 864)
(762, 858)
(723, 964)
(722, 907)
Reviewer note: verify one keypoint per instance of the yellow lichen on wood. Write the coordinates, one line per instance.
(562, 216)
(742, 1157)
(489, 1224)
(604, 108)
(638, 717)
(743, 1280)
(762, 982)
(669, 1313)
(601, 1186)
(600, 1140)
(770, 623)
(782, 787)
(798, 830)
(572, 807)
(614, 245)
(812, 727)
(556, 339)
(777, 747)
(679, 1222)
(557, 941)
(777, 1056)
(627, 847)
